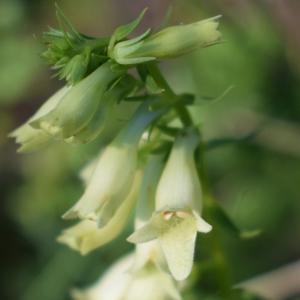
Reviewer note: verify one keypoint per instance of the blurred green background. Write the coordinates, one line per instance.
(256, 181)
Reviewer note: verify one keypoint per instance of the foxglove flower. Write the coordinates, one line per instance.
(170, 42)
(80, 104)
(149, 252)
(30, 138)
(105, 111)
(114, 173)
(178, 207)
(119, 284)
(152, 283)
(111, 286)
(86, 236)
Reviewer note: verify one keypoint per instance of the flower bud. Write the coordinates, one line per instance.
(114, 173)
(178, 206)
(105, 111)
(31, 138)
(170, 42)
(79, 105)
(86, 236)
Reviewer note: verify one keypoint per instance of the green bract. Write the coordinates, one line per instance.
(73, 55)
(170, 42)
(77, 108)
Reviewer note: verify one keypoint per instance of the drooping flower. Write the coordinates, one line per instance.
(149, 252)
(177, 219)
(79, 104)
(170, 42)
(119, 284)
(112, 285)
(141, 273)
(30, 138)
(114, 173)
(86, 236)
(105, 111)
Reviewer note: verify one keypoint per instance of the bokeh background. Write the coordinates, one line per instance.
(256, 180)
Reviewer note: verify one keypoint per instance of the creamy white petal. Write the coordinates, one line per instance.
(86, 236)
(111, 182)
(202, 225)
(111, 286)
(178, 244)
(144, 234)
(152, 283)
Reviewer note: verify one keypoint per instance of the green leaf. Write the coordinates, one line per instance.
(224, 220)
(211, 100)
(168, 130)
(124, 30)
(219, 142)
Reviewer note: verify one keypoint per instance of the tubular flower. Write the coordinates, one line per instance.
(105, 111)
(86, 236)
(148, 273)
(30, 138)
(149, 252)
(178, 207)
(79, 105)
(118, 284)
(170, 42)
(113, 175)
(111, 286)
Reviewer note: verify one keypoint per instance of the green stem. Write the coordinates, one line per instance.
(169, 94)
(223, 275)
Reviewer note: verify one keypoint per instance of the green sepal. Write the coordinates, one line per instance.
(152, 87)
(123, 31)
(166, 19)
(65, 24)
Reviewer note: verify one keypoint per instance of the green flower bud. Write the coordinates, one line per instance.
(114, 173)
(105, 111)
(178, 206)
(80, 104)
(30, 138)
(72, 53)
(170, 42)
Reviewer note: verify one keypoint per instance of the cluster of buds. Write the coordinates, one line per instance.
(157, 174)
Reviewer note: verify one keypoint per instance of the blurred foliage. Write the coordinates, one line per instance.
(257, 185)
